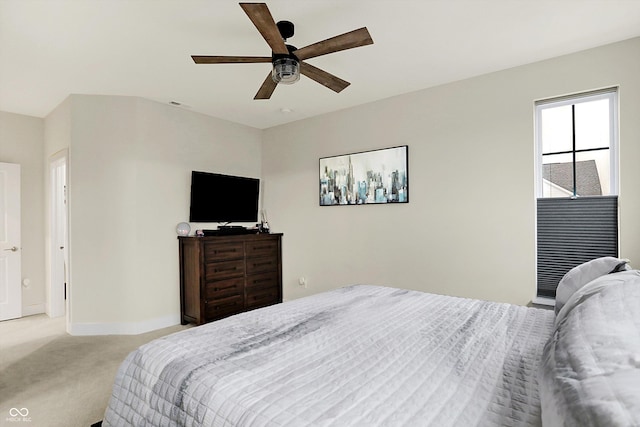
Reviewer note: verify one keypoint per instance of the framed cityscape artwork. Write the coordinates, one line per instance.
(369, 177)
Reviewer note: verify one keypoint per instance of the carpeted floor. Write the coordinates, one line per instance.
(61, 380)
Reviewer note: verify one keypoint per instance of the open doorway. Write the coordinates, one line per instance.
(58, 289)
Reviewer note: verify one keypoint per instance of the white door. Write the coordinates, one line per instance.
(10, 262)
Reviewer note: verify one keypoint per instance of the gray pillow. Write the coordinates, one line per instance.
(579, 276)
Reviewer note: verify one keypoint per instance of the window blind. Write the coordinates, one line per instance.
(571, 232)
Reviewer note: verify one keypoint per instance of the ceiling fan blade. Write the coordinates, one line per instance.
(267, 88)
(355, 38)
(326, 79)
(229, 59)
(262, 19)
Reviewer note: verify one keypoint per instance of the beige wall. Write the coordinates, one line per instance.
(469, 229)
(130, 163)
(130, 173)
(21, 141)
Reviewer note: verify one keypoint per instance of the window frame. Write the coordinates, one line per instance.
(611, 93)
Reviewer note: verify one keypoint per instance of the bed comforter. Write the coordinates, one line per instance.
(356, 356)
(590, 375)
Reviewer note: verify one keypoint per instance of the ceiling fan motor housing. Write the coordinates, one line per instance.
(286, 68)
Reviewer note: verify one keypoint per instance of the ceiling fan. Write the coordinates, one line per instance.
(287, 61)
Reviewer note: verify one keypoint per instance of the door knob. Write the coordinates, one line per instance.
(12, 249)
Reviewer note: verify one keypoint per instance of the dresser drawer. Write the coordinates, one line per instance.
(224, 307)
(263, 280)
(224, 270)
(262, 247)
(223, 251)
(260, 265)
(224, 288)
(262, 297)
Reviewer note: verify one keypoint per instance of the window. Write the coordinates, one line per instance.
(577, 184)
(576, 141)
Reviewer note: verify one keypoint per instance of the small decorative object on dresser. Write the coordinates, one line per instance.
(225, 275)
(263, 227)
(183, 229)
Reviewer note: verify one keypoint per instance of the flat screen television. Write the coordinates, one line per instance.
(223, 198)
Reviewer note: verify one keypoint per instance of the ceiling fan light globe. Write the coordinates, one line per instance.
(285, 71)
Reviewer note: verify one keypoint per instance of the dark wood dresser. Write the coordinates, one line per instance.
(225, 275)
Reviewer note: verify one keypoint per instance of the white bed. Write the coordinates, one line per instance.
(356, 356)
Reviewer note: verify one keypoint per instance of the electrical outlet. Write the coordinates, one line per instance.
(302, 281)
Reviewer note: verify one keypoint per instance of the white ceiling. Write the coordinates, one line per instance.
(50, 49)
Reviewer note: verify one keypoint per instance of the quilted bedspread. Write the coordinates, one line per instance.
(590, 374)
(356, 356)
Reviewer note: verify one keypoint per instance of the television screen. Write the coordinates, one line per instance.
(223, 198)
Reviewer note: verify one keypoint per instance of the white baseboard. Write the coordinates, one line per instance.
(124, 328)
(30, 310)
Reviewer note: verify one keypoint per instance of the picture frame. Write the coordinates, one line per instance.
(378, 176)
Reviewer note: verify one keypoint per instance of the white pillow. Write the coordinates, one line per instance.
(579, 276)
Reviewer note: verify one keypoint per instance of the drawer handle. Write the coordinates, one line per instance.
(262, 247)
(259, 264)
(229, 304)
(218, 270)
(222, 251)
